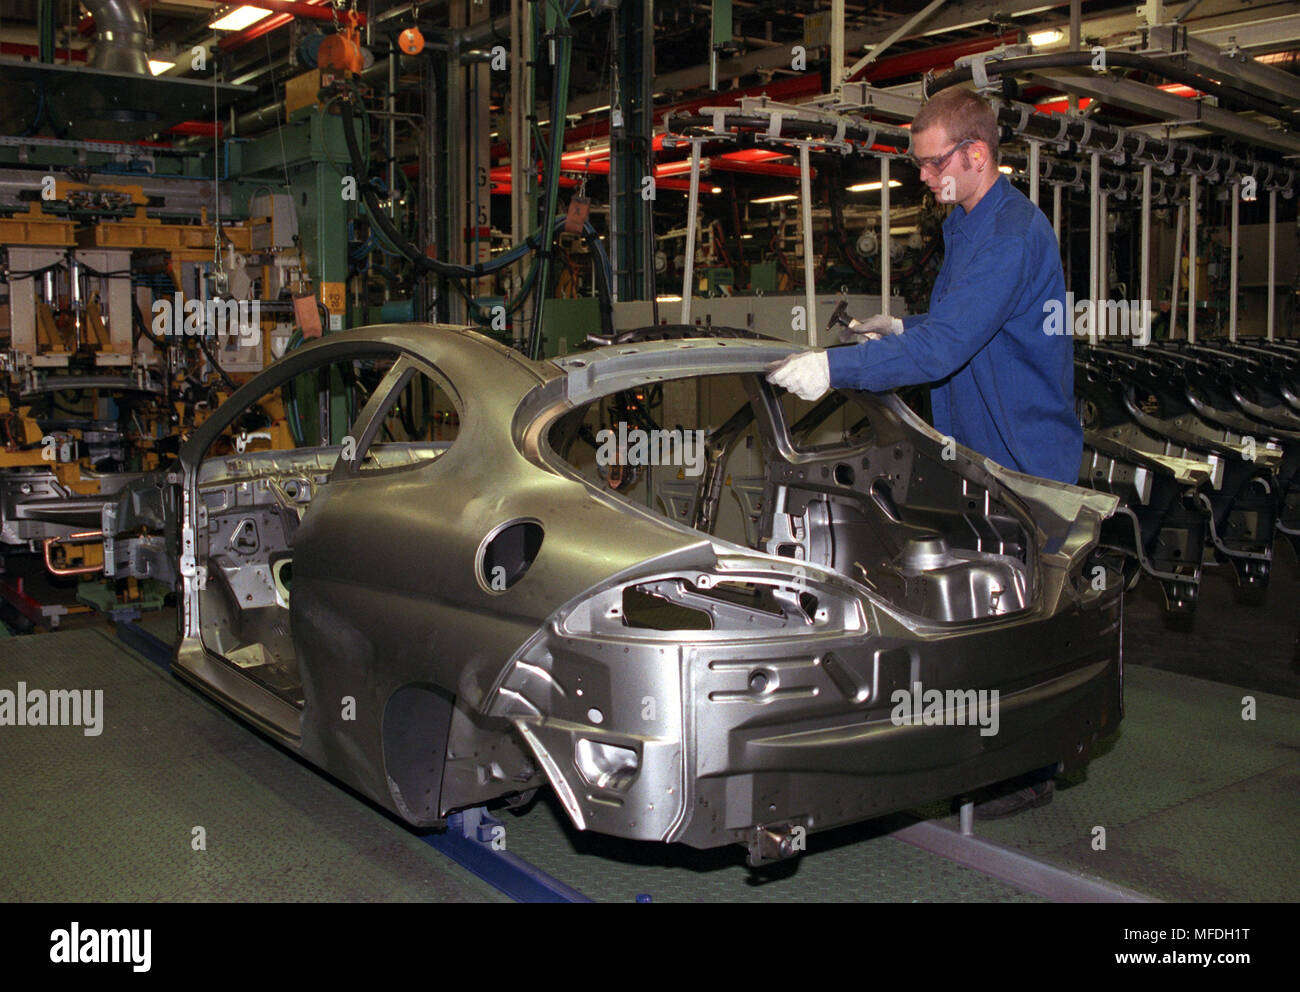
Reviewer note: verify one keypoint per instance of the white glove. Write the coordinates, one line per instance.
(807, 374)
(871, 329)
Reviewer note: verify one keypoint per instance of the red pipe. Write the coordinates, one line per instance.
(678, 185)
(60, 54)
(503, 189)
(912, 63)
(1060, 105)
(752, 161)
(601, 167)
(310, 10)
(501, 180)
(204, 129)
(780, 90)
(269, 24)
(721, 163)
(755, 155)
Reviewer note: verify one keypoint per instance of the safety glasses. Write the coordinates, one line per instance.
(937, 163)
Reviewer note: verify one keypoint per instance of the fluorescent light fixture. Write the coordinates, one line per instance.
(715, 189)
(1049, 37)
(785, 197)
(874, 185)
(668, 299)
(746, 235)
(1006, 170)
(239, 18)
(159, 66)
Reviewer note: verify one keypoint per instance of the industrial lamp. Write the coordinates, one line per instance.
(238, 18)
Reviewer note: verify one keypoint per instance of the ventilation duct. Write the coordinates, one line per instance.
(122, 36)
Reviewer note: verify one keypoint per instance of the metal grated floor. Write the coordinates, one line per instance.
(1197, 804)
(112, 817)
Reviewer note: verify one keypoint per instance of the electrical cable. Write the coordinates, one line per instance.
(35, 125)
(539, 241)
(33, 273)
(279, 127)
(603, 274)
(142, 328)
(216, 366)
(381, 222)
(559, 109)
(103, 275)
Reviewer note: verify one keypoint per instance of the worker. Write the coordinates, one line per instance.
(1002, 380)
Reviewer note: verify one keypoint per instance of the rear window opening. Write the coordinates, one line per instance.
(858, 487)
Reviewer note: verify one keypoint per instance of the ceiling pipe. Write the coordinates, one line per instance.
(928, 59)
(789, 90)
(122, 44)
(314, 10)
(32, 52)
(782, 90)
(272, 114)
(269, 24)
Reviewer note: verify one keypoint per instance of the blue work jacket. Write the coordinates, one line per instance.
(1003, 385)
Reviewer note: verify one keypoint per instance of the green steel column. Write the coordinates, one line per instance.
(631, 215)
(719, 37)
(322, 221)
(45, 29)
(314, 152)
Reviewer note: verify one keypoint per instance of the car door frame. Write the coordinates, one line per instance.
(193, 661)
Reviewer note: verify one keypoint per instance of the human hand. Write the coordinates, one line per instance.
(807, 374)
(871, 329)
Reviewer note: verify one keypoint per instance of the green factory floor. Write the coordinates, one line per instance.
(113, 816)
(1197, 804)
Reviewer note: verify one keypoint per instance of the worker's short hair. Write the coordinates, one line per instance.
(963, 114)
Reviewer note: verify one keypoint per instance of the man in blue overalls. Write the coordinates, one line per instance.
(1000, 383)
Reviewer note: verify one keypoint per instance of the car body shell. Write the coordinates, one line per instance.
(428, 690)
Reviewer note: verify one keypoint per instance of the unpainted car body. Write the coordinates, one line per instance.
(882, 560)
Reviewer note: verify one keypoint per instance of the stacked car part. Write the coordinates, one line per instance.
(1202, 444)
